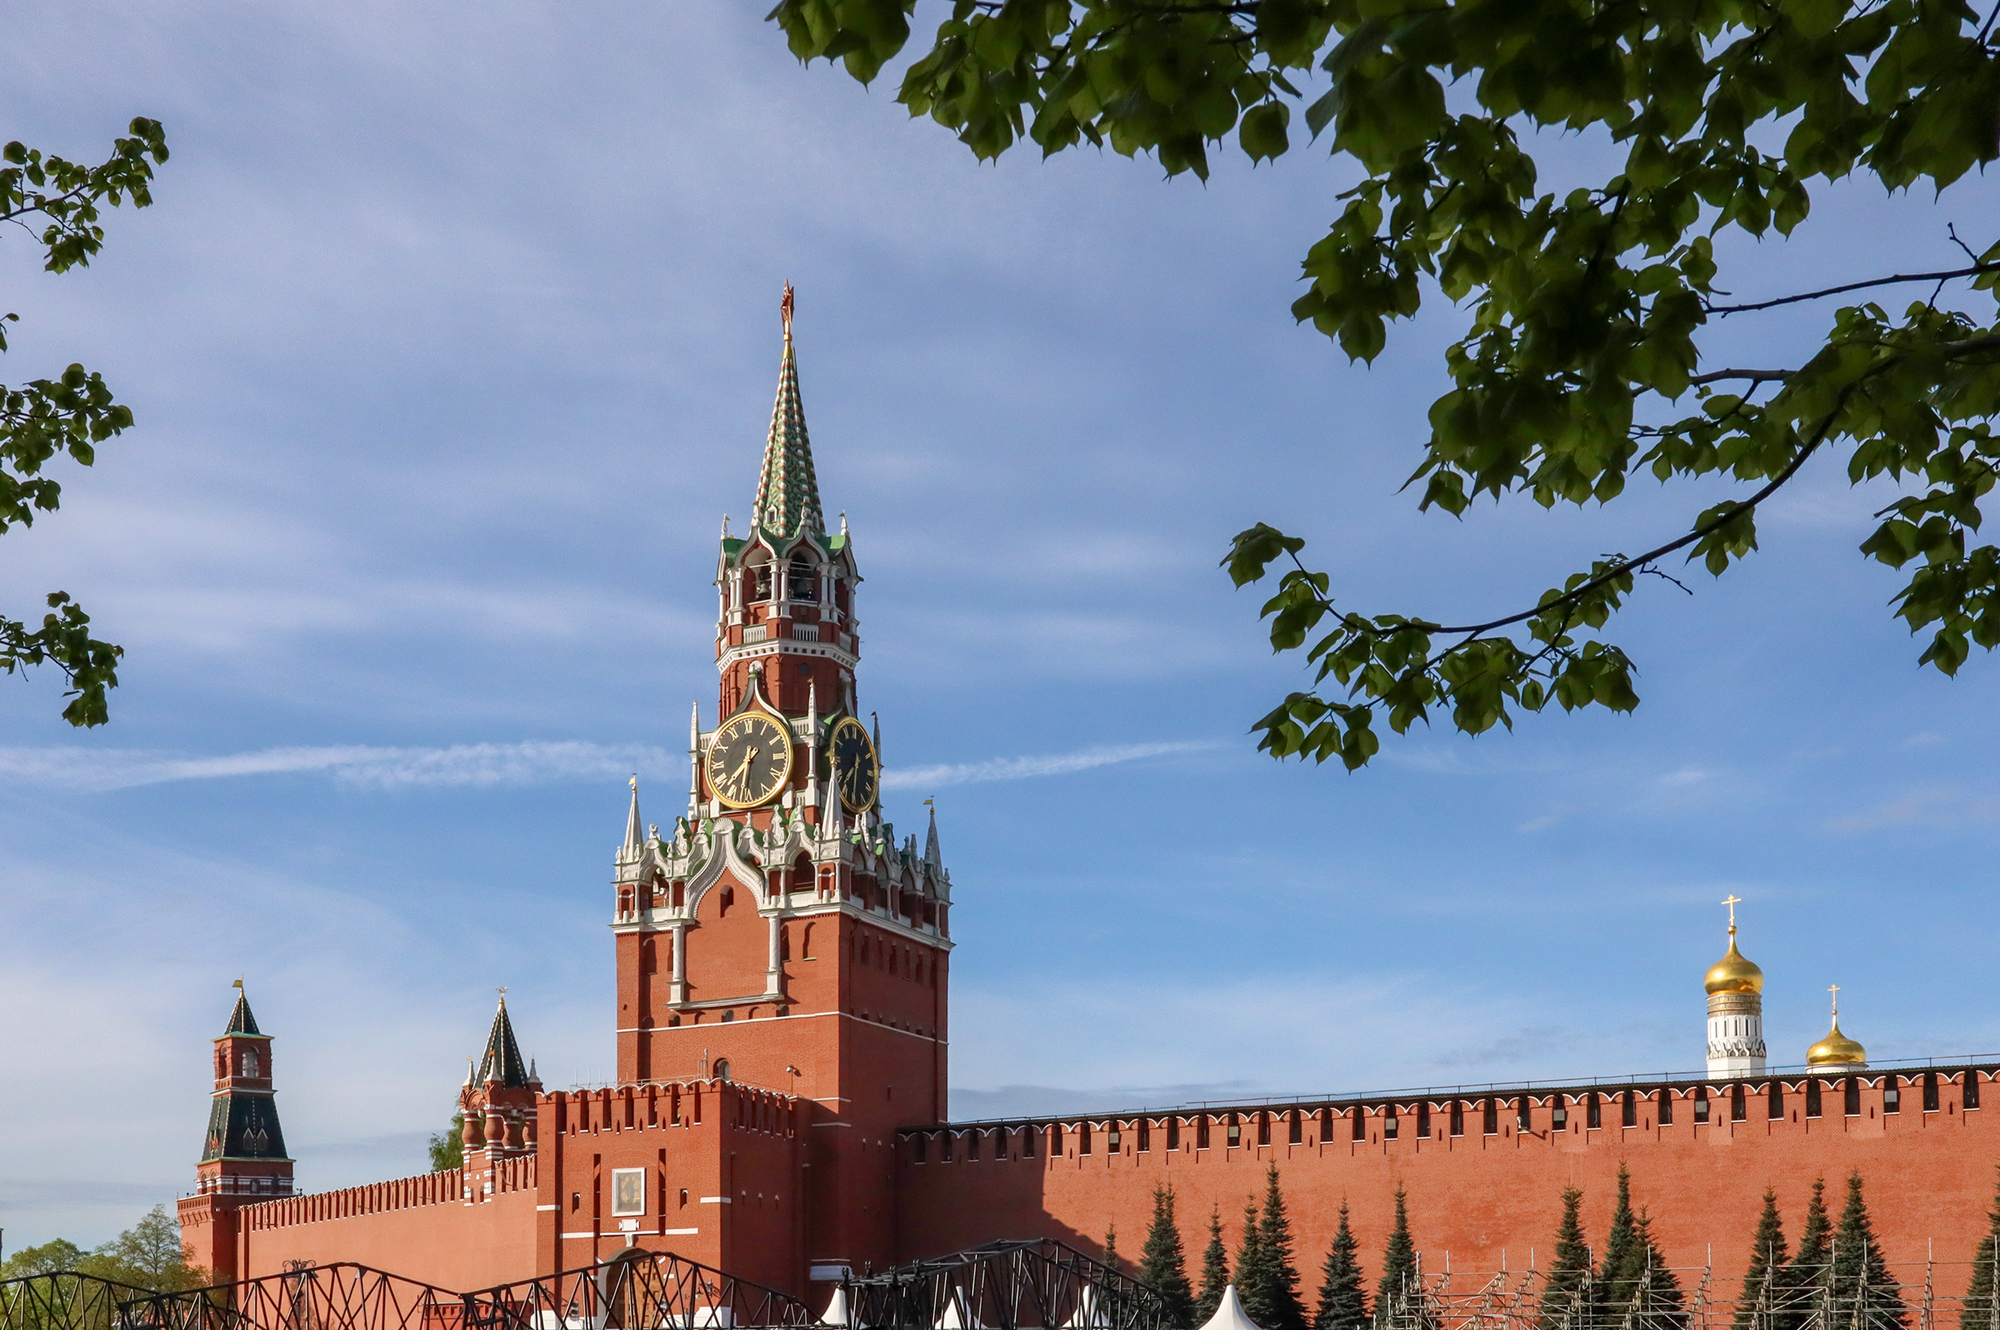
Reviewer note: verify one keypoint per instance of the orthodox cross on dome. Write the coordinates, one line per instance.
(1835, 990)
(787, 490)
(1732, 903)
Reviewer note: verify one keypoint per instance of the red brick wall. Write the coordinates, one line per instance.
(1929, 1179)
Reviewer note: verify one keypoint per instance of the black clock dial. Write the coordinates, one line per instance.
(749, 760)
(856, 774)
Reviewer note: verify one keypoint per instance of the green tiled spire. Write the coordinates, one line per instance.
(502, 1062)
(240, 1019)
(787, 490)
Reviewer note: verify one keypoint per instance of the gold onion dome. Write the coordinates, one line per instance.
(1836, 1049)
(1735, 972)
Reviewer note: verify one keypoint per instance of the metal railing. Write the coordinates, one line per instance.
(636, 1290)
(64, 1300)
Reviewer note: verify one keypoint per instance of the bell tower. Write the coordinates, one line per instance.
(779, 933)
(243, 1158)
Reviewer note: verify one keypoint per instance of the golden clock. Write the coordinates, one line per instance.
(749, 759)
(857, 774)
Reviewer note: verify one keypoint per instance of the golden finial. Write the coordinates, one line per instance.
(502, 991)
(237, 984)
(1735, 972)
(1835, 990)
(1732, 902)
(785, 311)
(635, 782)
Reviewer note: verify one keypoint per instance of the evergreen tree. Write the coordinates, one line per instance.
(1274, 1242)
(1111, 1248)
(1807, 1271)
(1163, 1262)
(1256, 1280)
(1767, 1267)
(1863, 1293)
(1399, 1292)
(1343, 1297)
(1609, 1295)
(1214, 1270)
(1648, 1294)
(1565, 1288)
(1980, 1299)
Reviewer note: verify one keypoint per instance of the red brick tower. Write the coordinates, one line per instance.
(779, 935)
(243, 1159)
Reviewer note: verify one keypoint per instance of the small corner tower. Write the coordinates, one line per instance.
(497, 1103)
(1836, 1054)
(243, 1158)
(1735, 1010)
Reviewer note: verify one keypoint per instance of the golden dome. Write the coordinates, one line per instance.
(1734, 973)
(1836, 1049)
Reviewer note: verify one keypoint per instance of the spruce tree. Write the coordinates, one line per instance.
(1255, 1279)
(1274, 1242)
(1399, 1292)
(1343, 1298)
(1163, 1262)
(1978, 1311)
(1650, 1294)
(1111, 1248)
(1767, 1267)
(1807, 1272)
(1609, 1295)
(1863, 1292)
(1565, 1287)
(1214, 1270)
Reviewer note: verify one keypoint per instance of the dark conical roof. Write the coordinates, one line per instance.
(787, 491)
(502, 1062)
(240, 1019)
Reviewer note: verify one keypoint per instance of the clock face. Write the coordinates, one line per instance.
(749, 760)
(856, 773)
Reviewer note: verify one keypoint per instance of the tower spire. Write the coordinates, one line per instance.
(635, 833)
(787, 490)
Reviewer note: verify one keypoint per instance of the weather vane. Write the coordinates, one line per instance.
(785, 311)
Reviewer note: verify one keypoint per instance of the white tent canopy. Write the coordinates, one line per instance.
(836, 1308)
(1229, 1314)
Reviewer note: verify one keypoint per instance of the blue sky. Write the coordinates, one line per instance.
(452, 337)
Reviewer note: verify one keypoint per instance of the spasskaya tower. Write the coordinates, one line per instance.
(778, 934)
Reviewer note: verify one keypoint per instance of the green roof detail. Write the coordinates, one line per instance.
(787, 491)
(240, 1019)
(502, 1062)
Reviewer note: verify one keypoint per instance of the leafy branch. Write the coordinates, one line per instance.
(1584, 310)
(44, 419)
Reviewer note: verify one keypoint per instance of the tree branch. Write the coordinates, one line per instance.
(1974, 271)
(1753, 375)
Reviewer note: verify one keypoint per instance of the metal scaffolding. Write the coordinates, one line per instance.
(1019, 1285)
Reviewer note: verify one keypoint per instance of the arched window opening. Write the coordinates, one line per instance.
(1235, 1138)
(761, 582)
(1812, 1098)
(804, 579)
(249, 1062)
(1738, 1109)
(1028, 1135)
(1665, 1099)
(1559, 1114)
(1851, 1097)
(1295, 1127)
(1201, 1132)
(1458, 1117)
(1491, 1113)
(1971, 1097)
(1263, 1128)
(1524, 1114)
(1892, 1095)
(1930, 1092)
(1701, 1103)
(1083, 1138)
(806, 943)
(1173, 1133)
(1629, 1110)
(1389, 1122)
(1593, 1112)
(1775, 1111)
(722, 1064)
(1359, 1130)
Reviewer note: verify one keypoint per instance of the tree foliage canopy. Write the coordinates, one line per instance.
(60, 204)
(1585, 308)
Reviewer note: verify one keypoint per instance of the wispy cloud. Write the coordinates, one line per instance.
(1023, 768)
(1928, 806)
(479, 765)
(350, 764)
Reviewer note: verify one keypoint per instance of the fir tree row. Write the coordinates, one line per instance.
(1837, 1276)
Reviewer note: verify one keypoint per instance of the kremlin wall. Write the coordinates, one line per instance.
(779, 1110)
